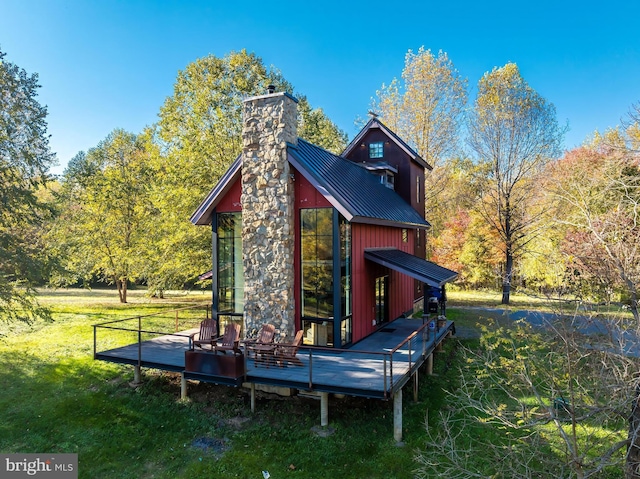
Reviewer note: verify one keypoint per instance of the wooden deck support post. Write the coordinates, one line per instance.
(183, 386)
(137, 375)
(324, 409)
(253, 397)
(397, 415)
(430, 364)
(415, 386)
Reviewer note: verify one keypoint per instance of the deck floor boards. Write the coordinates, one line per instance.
(357, 370)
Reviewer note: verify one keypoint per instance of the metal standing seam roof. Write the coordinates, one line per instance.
(352, 190)
(418, 268)
(355, 192)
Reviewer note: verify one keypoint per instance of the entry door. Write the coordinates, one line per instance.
(382, 300)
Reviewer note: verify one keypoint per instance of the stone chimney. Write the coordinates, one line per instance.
(269, 123)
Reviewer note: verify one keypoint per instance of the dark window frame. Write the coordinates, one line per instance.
(376, 149)
(230, 295)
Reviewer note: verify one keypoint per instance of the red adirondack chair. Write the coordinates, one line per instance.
(230, 341)
(262, 346)
(286, 352)
(208, 331)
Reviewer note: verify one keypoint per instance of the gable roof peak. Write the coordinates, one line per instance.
(375, 123)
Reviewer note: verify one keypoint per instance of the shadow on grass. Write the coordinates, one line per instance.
(80, 406)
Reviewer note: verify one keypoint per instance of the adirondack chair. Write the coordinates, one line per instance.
(208, 331)
(286, 352)
(262, 346)
(230, 341)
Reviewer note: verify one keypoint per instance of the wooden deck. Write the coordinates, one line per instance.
(374, 367)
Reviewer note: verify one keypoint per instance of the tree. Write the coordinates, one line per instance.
(543, 264)
(515, 132)
(537, 402)
(105, 214)
(598, 198)
(315, 127)
(632, 128)
(196, 139)
(425, 109)
(466, 245)
(25, 159)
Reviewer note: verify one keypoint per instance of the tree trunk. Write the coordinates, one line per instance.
(122, 289)
(506, 279)
(632, 466)
(634, 308)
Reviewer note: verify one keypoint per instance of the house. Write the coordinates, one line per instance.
(305, 239)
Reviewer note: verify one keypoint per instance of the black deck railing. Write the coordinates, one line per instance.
(155, 324)
(412, 349)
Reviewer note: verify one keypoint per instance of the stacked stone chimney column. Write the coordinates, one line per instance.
(269, 123)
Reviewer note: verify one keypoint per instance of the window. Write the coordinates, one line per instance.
(418, 189)
(405, 235)
(318, 333)
(382, 300)
(325, 251)
(390, 181)
(418, 237)
(387, 179)
(230, 269)
(376, 150)
(345, 281)
(317, 263)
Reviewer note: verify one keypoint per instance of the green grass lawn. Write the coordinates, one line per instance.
(55, 398)
(523, 301)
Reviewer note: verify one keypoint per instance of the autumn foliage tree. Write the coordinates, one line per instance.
(425, 108)
(468, 245)
(514, 132)
(597, 190)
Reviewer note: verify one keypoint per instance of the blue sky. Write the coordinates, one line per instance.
(107, 64)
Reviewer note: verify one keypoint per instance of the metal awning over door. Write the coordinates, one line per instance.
(405, 263)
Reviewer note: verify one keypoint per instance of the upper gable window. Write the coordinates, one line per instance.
(376, 150)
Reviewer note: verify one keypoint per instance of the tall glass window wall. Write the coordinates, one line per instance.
(323, 231)
(230, 270)
(316, 232)
(345, 281)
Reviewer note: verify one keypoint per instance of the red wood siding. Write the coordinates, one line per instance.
(401, 287)
(231, 201)
(364, 273)
(306, 195)
(420, 252)
(417, 200)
